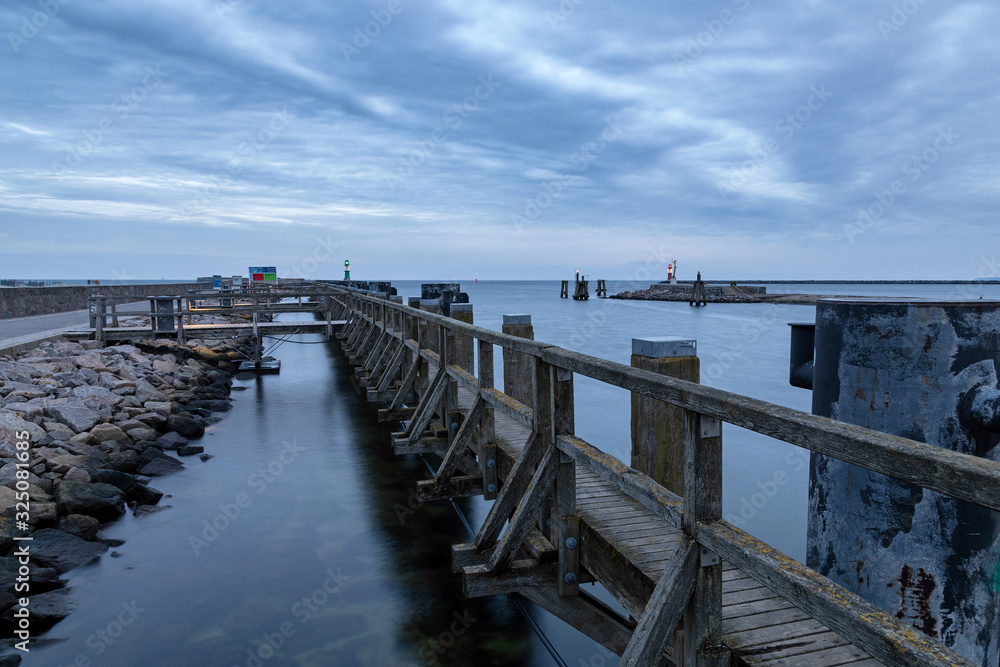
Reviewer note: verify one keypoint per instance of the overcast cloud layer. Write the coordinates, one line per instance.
(460, 139)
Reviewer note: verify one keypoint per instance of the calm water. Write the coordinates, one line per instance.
(296, 544)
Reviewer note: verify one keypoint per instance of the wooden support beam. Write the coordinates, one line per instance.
(425, 445)
(391, 369)
(587, 614)
(478, 581)
(402, 414)
(703, 503)
(487, 424)
(462, 486)
(375, 396)
(540, 547)
(536, 491)
(519, 411)
(407, 385)
(513, 489)
(489, 468)
(428, 404)
(461, 441)
(665, 607)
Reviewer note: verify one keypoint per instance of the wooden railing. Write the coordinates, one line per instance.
(254, 305)
(394, 344)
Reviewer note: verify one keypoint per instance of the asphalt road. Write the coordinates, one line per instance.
(25, 326)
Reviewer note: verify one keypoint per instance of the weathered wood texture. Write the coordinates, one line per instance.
(517, 365)
(658, 427)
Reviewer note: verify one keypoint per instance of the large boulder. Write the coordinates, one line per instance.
(91, 360)
(81, 525)
(63, 552)
(8, 499)
(75, 415)
(171, 440)
(186, 425)
(47, 609)
(212, 405)
(59, 431)
(161, 467)
(11, 425)
(40, 578)
(143, 433)
(153, 419)
(8, 476)
(63, 464)
(26, 411)
(103, 394)
(160, 407)
(133, 489)
(105, 432)
(144, 391)
(101, 501)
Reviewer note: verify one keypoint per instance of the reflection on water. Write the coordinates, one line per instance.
(287, 548)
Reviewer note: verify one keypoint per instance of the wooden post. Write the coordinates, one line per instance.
(431, 338)
(658, 427)
(180, 319)
(702, 504)
(449, 403)
(410, 323)
(565, 521)
(464, 352)
(487, 425)
(99, 322)
(517, 367)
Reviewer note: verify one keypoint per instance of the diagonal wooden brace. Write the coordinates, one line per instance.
(510, 495)
(425, 410)
(391, 369)
(521, 521)
(665, 607)
(406, 386)
(462, 439)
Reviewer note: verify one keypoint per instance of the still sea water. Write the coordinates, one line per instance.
(295, 545)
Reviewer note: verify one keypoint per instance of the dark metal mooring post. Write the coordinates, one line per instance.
(924, 370)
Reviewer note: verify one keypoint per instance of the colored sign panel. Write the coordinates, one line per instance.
(216, 282)
(263, 274)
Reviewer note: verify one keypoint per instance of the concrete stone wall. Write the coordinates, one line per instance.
(27, 301)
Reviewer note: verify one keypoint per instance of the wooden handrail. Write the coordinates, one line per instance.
(962, 476)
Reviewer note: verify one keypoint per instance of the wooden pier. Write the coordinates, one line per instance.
(168, 314)
(697, 590)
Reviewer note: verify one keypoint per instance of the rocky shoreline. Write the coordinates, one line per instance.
(83, 432)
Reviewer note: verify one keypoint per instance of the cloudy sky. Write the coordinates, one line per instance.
(463, 138)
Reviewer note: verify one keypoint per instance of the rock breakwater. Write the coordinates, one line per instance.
(83, 432)
(664, 295)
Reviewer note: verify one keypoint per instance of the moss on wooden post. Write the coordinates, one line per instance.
(517, 367)
(658, 427)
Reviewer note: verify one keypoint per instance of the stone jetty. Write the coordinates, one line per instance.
(654, 294)
(102, 424)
